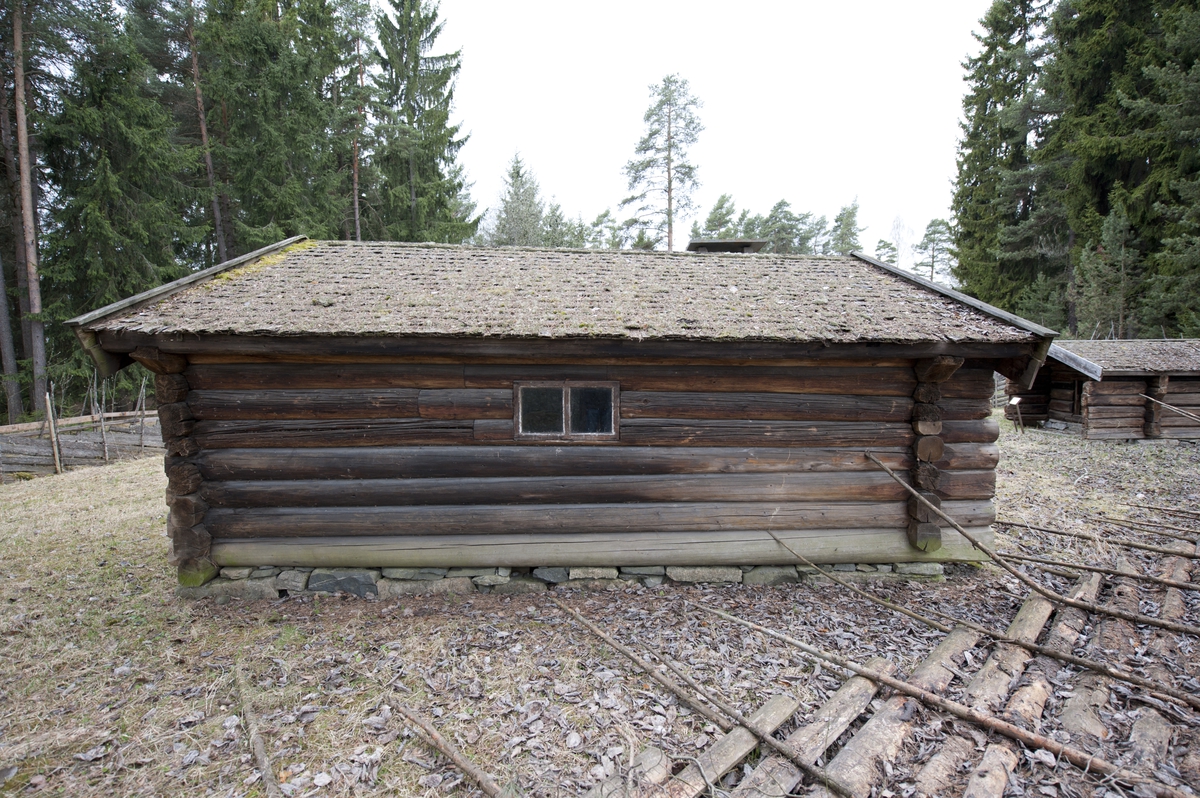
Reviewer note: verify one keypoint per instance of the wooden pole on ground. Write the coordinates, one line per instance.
(1126, 543)
(1096, 569)
(469, 768)
(58, 468)
(1057, 598)
(818, 774)
(1081, 759)
(1163, 690)
(1168, 510)
(1149, 526)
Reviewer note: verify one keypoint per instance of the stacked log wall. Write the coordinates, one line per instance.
(1182, 393)
(1066, 395)
(1114, 409)
(411, 464)
(1035, 400)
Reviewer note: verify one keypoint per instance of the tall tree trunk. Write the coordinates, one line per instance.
(226, 205)
(14, 193)
(218, 228)
(37, 328)
(357, 133)
(8, 357)
(1072, 315)
(670, 188)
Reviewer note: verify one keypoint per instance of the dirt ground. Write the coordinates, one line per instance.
(110, 685)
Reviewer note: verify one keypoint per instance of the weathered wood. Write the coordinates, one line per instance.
(188, 543)
(1170, 419)
(1106, 411)
(1132, 422)
(965, 409)
(1131, 401)
(187, 509)
(493, 430)
(175, 420)
(593, 519)
(927, 427)
(930, 392)
(723, 755)
(763, 406)
(282, 376)
(467, 403)
(623, 350)
(770, 487)
(919, 511)
(926, 412)
(1093, 388)
(1060, 406)
(331, 433)
(184, 477)
(969, 383)
(158, 361)
(924, 536)
(926, 476)
(169, 388)
(183, 446)
(1063, 394)
(834, 380)
(985, 431)
(734, 432)
(317, 403)
(776, 776)
(991, 683)
(929, 448)
(936, 369)
(553, 461)
(989, 779)
(536, 549)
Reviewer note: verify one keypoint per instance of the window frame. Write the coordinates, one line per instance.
(566, 435)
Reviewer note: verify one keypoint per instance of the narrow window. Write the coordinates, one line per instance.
(566, 410)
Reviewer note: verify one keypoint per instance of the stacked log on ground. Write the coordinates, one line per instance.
(1114, 409)
(27, 450)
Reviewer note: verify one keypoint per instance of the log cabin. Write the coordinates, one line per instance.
(1117, 389)
(335, 404)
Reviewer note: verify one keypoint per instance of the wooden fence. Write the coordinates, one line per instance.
(27, 450)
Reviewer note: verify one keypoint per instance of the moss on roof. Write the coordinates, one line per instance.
(378, 289)
(1140, 356)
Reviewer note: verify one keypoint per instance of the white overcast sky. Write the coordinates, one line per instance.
(816, 103)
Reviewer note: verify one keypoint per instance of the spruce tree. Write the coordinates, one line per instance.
(417, 143)
(518, 220)
(661, 175)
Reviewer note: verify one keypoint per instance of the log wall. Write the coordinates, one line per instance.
(369, 463)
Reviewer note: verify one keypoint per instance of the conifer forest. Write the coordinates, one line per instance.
(148, 139)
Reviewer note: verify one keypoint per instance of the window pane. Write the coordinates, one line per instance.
(591, 410)
(542, 410)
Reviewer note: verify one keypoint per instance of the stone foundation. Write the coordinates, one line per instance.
(388, 583)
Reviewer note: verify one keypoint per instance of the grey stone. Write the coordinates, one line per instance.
(884, 569)
(845, 566)
(355, 581)
(504, 572)
(643, 570)
(705, 573)
(807, 569)
(593, 572)
(430, 574)
(552, 574)
(457, 572)
(233, 588)
(747, 568)
(262, 573)
(865, 567)
(652, 581)
(236, 573)
(593, 584)
(771, 575)
(919, 568)
(292, 581)
(391, 588)
(520, 584)
(489, 580)
(401, 573)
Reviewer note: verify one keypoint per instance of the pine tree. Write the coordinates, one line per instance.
(519, 218)
(843, 238)
(720, 222)
(418, 144)
(886, 251)
(661, 175)
(934, 249)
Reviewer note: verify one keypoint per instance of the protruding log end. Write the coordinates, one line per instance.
(929, 448)
(924, 536)
(927, 427)
(928, 392)
(158, 361)
(194, 573)
(936, 369)
(926, 476)
(920, 512)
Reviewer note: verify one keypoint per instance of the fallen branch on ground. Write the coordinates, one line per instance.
(460, 761)
(1081, 759)
(1129, 544)
(1096, 569)
(270, 783)
(816, 773)
(1057, 598)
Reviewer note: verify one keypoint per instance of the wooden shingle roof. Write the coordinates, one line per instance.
(390, 289)
(1100, 359)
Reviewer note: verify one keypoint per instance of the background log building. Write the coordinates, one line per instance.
(341, 404)
(1129, 389)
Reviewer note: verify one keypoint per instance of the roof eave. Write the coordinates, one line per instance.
(108, 363)
(1077, 362)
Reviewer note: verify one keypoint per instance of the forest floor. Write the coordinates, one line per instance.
(110, 685)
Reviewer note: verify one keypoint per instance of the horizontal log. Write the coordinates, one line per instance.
(936, 369)
(1027, 410)
(969, 383)
(1113, 400)
(1071, 418)
(502, 376)
(831, 380)
(985, 431)
(764, 406)
(1060, 406)
(1094, 388)
(965, 409)
(316, 403)
(689, 432)
(1113, 434)
(537, 350)
(552, 461)
(493, 430)
(158, 361)
(188, 543)
(537, 361)
(1114, 411)
(1169, 419)
(767, 487)
(333, 433)
(969, 456)
(979, 484)
(1063, 394)
(283, 376)
(1134, 422)
(823, 546)
(493, 519)
(489, 403)
(1182, 433)
(1182, 399)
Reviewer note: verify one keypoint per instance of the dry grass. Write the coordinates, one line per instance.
(111, 686)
